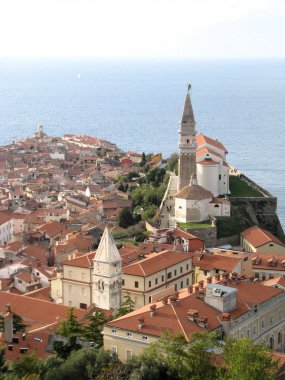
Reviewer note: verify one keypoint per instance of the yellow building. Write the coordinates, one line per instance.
(234, 309)
(156, 275)
(77, 281)
(221, 261)
(256, 239)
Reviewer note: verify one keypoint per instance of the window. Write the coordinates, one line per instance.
(254, 330)
(128, 354)
(149, 284)
(129, 334)
(187, 266)
(162, 278)
(220, 177)
(123, 282)
(205, 273)
(175, 287)
(181, 284)
(149, 299)
(175, 272)
(136, 284)
(114, 331)
(256, 275)
(187, 281)
(181, 269)
(156, 281)
(245, 259)
(83, 306)
(114, 350)
(144, 337)
(169, 275)
(271, 319)
(262, 324)
(279, 338)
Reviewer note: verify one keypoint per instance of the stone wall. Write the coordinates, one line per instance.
(209, 235)
(258, 211)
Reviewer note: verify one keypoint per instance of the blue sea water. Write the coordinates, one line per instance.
(138, 106)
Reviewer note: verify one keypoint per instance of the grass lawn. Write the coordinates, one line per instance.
(239, 188)
(206, 224)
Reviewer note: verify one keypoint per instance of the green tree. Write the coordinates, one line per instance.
(127, 306)
(149, 213)
(189, 361)
(70, 327)
(63, 350)
(27, 366)
(172, 162)
(114, 371)
(84, 364)
(244, 360)
(143, 161)
(125, 218)
(18, 323)
(92, 332)
(145, 367)
(3, 366)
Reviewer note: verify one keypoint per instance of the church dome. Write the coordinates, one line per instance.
(193, 191)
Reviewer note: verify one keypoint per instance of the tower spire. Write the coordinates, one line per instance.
(188, 114)
(187, 143)
(107, 274)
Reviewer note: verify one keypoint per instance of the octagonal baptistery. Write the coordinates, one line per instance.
(192, 203)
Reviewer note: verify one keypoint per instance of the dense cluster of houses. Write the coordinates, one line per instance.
(59, 200)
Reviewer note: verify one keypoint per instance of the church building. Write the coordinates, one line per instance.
(203, 173)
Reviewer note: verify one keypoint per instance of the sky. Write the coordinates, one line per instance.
(143, 29)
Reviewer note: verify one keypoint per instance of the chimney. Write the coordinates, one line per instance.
(217, 277)
(226, 322)
(152, 310)
(173, 299)
(165, 300)
(192, 315)
(140, 323)
(190, 289)
(202, 322)
(8, 326)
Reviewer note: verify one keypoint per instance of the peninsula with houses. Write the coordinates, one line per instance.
(135, 244)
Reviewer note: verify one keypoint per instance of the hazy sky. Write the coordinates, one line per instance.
(143, 28)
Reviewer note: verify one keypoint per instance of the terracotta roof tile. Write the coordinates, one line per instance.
(257, 237)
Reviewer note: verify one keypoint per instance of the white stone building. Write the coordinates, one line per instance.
(107, 274)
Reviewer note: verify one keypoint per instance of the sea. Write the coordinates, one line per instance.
(138, 105)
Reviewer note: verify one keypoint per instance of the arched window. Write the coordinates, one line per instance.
(271, 343)
(279, 337)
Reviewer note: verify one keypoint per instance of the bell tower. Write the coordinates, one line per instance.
(107, 274)
(187, 144)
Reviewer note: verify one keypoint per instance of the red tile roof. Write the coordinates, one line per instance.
(155, 262)
(257, 237)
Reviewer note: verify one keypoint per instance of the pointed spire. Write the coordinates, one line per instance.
(188, 115)
(107, 250)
